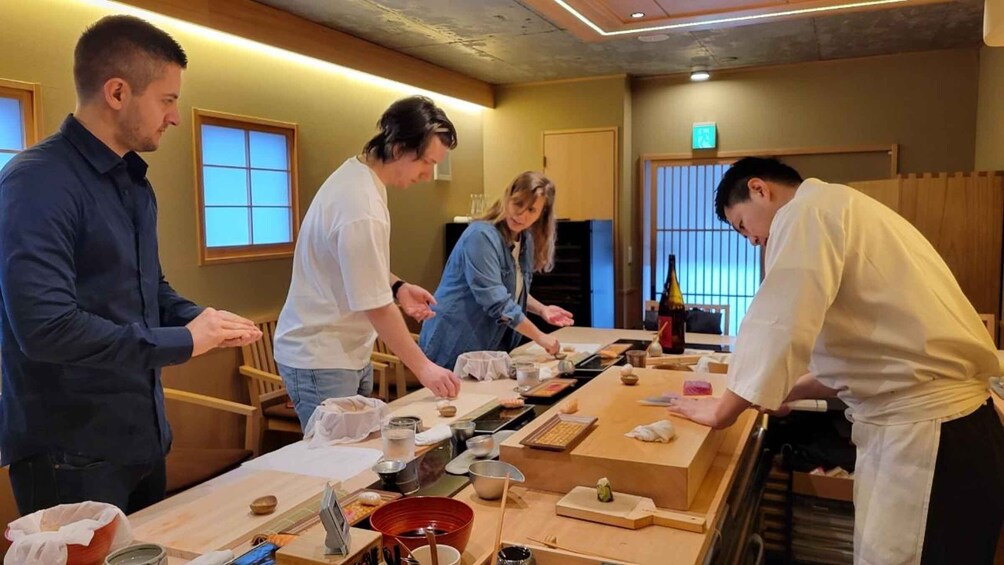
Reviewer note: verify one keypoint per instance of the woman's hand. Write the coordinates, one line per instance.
(550, 344)
(556, 316)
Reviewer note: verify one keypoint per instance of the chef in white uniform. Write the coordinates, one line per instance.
(856, 303)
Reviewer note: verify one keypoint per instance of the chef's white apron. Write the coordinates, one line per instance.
(892, 488)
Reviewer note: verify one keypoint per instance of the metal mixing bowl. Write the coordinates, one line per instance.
(488, 478)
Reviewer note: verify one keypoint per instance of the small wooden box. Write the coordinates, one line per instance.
(668, 473)
(308, 549)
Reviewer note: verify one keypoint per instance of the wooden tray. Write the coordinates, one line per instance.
(356, 512)
(550, 388)
(576, 427)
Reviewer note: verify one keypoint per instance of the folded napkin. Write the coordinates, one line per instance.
(214, 558)
(435, 434)
(661, 431)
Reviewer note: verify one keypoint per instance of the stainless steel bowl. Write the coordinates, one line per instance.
(481, 446)
(488, 478)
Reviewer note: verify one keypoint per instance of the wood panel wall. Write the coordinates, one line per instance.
(962, 215)
(213, 374)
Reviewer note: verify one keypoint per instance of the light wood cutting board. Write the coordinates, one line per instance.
(222, 519)
(624, 511)
(466, 403)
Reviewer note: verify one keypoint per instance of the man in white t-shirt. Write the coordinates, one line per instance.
(342, 292)
(856, 303)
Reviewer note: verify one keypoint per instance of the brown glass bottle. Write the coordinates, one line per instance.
(672, 313)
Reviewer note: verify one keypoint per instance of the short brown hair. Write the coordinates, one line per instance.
(125, 47)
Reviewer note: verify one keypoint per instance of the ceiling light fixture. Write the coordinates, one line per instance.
(637, 15)
(699, 75)
(754, 17)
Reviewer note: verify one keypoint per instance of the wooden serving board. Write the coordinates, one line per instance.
(467, 403)
(308, 549)
(668, 473)
(624, 511)
(222, 519)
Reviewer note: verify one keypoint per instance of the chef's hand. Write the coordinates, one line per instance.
(556, 316)
(700, 410)
(416, 301)
(550, 344)
(442, 382)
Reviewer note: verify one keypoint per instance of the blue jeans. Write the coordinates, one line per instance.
(308, 388)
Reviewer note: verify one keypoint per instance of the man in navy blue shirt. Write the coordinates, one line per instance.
(88, 318)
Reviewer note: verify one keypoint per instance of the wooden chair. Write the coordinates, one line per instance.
(190, 466)
(268, 392)
(382, 355)
(265, 387)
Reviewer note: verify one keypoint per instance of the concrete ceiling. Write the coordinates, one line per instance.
(504, 41)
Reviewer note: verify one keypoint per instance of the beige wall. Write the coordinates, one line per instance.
(513, 133)
(926, 102)
(990, 110)
(336, 115)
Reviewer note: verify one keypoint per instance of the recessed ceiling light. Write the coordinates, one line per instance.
(699, 75)
(653, 37)
(637, 15)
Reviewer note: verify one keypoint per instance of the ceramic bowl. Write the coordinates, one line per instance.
(264, 504)
(629, 380)
(488, 478)
(406, 520)
(92, 553)
(481, 446)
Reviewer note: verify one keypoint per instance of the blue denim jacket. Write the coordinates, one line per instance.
(475, 301)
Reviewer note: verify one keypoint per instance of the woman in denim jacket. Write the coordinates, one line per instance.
(485, 290)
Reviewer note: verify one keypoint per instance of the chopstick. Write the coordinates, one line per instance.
(498, 529)
(431, 538)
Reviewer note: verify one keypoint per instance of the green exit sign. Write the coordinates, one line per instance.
(705, 136)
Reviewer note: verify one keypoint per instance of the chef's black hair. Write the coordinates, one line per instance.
(734, 187)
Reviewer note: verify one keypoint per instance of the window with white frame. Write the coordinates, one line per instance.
(246, 179)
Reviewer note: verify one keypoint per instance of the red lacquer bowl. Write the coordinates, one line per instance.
(405, 520)
(93, 553)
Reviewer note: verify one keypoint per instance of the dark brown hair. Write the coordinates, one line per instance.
(125, 47)
(409, 126)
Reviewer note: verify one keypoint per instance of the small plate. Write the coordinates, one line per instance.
(462, 462)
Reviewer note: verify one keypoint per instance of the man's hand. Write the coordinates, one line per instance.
(442, 382)
(416, 301)
(700, 410)
(556, 316)
(219, 328)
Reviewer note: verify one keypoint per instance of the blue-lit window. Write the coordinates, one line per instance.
(17, 118)
(247, 181)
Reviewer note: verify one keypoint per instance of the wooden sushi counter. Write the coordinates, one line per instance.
(701, 477)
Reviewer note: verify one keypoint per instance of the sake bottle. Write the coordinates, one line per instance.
(672, 313)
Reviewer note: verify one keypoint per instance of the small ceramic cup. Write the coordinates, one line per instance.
(447, 555)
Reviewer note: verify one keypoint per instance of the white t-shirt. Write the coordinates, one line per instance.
(854, 293)
(341, 268)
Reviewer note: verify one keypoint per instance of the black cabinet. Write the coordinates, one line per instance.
(582, 281)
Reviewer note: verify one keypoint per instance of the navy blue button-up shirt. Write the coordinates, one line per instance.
(87, 318)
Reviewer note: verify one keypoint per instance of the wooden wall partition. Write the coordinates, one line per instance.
(213, 374)
(962, 215)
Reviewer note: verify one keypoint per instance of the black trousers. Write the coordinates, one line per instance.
(966, 511)
(47, 480)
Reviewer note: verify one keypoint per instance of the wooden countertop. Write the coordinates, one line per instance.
(710, 497)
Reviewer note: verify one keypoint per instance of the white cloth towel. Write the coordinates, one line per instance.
(661, 431)
(435, 434)
(483, 365)
(41, 538)
(214, 558)
(703, 362)
(344, 420)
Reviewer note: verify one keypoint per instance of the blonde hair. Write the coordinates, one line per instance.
(522, 191)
